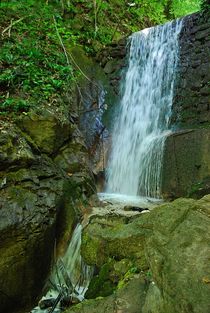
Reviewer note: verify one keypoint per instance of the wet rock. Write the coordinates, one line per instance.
(28, 209)
(134, 208)
(128, 299)
(46, 303)
(68, 301)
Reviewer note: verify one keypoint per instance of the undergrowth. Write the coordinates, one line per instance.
(33, 64)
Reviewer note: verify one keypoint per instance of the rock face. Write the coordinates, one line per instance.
(169, 246)
(44, 174)
(178, 254)
(191, 99)
(98, 92)
(186, 168)
(186, 164)
(113, 61)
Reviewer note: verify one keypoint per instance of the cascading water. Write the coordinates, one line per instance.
(70, 277)
(135, 163)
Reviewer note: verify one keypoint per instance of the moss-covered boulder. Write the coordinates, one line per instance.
(14, 148)
(178, 254)
(115, 237)
(101, 285)
(170, 244)
(47, 129)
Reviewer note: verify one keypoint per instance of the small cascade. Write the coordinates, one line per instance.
(69, 280)
(142, 123)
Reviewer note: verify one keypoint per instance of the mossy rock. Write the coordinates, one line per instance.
(47, 130)
(113, 237)
(200, 189)
(128, 299)
(14, 148)
(178, 254)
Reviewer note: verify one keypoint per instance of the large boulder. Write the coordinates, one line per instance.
(178, 254)
(115, 237)
(170, 245)
(186, 164)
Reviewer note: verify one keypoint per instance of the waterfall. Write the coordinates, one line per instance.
(134, 167)
(79, 273)
(70, 277)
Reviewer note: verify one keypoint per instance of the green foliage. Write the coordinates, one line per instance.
(181, 8)
(33, 66)
(34, 69)
(149, 10)
(12, 104)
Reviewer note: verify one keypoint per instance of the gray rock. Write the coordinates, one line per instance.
(186, 163)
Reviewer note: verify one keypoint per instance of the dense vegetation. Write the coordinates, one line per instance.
(36, 37)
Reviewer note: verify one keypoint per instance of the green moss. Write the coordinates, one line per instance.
(112, 275)
(128, 275)
(90, 249)
(200, 188)
(101, 285)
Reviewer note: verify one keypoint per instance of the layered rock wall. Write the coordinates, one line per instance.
(186, 170)
(44, 179)
(191, 107)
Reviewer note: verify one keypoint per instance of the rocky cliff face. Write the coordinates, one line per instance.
(44, 179)
(186, 170)
(191, 99)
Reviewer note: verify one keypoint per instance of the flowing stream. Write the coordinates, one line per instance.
(142, 123)
(70, 277)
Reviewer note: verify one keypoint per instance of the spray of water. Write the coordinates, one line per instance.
(142, 124)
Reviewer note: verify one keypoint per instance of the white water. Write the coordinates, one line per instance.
(142, 124)
(72, 267)
(115, 198)
(79, 272)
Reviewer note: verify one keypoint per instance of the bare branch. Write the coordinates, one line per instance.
(9, 28)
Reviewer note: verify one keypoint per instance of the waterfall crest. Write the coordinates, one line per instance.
(142, 124)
